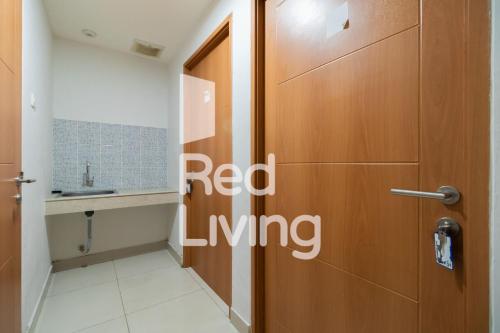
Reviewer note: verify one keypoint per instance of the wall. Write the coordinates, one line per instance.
(94, 84)
(110, 108)
(495, 180)
(36, 156)
(113, 229)
(241, 89)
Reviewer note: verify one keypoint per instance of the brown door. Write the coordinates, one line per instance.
(213, 264)
(363, 96)
(10, 157)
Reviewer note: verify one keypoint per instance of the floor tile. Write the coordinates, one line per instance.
(156, 287)
(81, 278)
(114, 326)
(143, 264)
(70, 312)
(193, 313)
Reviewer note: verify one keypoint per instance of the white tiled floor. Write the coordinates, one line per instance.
(144, 294)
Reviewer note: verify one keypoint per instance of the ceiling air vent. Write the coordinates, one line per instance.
(146, 48)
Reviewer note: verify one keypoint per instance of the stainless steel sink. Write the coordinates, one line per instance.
(87, 193)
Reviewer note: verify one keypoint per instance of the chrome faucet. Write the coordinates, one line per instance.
(87, 181)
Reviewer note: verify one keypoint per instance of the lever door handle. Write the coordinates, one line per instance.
(448, 195)
(21, 180)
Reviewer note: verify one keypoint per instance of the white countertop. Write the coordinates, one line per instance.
(124, 193)
(57, 204)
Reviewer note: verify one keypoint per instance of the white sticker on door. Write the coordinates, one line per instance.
(337, 20)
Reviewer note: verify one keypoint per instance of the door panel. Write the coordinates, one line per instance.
(396, 100)
(8, 296)
(365, 231)
(303, 38)
(10, 162)
(213, 264)
(361, 108)
(8, 33)
(8, 112)
(317, 297)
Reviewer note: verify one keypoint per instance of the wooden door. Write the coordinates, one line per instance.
(10, 156)
(213, 264)
(397, 97)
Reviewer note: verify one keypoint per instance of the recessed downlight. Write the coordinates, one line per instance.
(89, 33)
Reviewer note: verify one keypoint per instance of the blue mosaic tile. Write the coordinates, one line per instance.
(111, 135)
(131, 135)
(162, 178)
(153, 178)
(111, 157)
(148, 178)
(131, 156)
(162, 157)
(89, 133)
(64, 154)
(121, 157)
(65, 132)
(131, 178)
(65, 177)
(149, 157)
(162, 137)
(149, 137)
(89, 153)
(111, 179)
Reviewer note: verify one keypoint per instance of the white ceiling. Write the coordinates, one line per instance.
(119, 22)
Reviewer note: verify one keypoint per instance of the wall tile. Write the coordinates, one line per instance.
(64, 132)
(65, 154)
(89, 133)
(111, 135)
(149, 137)
(111, 157)
(121, 157)
(162, 137)
(131, 178)
(65, 177)
(131, 156)
(111, 179)
(153, 178)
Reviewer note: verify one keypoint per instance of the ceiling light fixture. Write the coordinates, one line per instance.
(89, 33)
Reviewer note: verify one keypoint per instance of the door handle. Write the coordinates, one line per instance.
(20, 180)
(448, 195)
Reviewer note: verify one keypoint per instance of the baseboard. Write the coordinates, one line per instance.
(239, 323)
(39, 304)
(218, 301)
(99, 258)
(174, 254)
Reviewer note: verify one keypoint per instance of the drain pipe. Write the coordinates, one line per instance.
(85, 249)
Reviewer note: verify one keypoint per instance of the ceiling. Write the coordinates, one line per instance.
(119, 22)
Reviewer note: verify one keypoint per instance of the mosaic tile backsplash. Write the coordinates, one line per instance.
(121, 157)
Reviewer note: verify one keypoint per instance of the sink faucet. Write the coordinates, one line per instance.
(87, 181)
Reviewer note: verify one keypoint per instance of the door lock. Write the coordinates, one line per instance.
(447, 230)
(189, 186)
(448, 226)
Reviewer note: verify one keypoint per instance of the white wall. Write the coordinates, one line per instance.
(495, 201)
(36, 153)
(241, 57)
(95, 84)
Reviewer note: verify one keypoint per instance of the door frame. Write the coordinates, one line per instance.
(223, 31)
(477, 92)
(258, 156)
